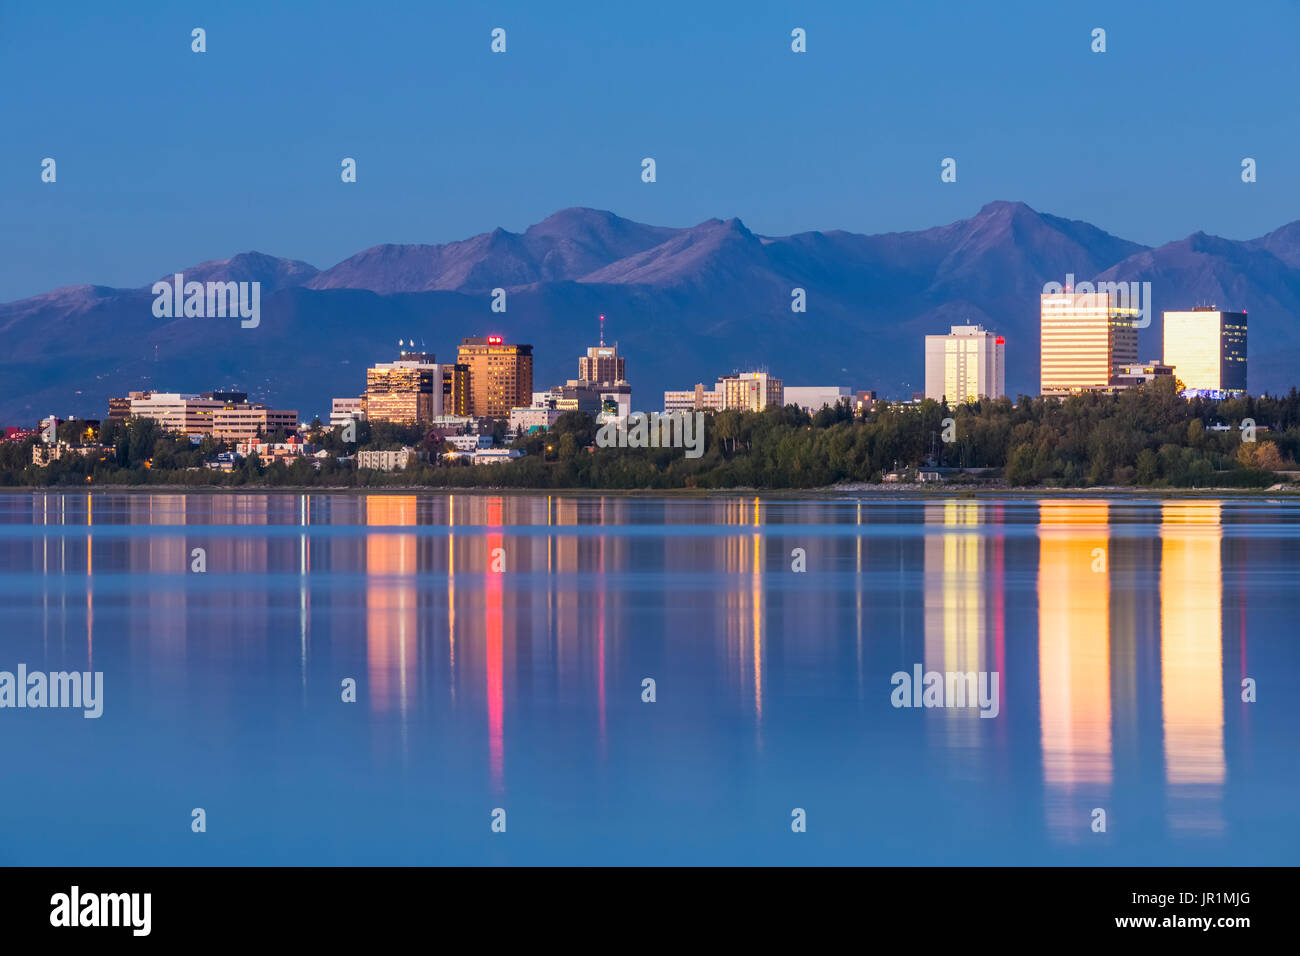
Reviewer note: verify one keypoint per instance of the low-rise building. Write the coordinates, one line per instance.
(813, 398)
(528, 419)
(1128, 376)
(468, 442)
(248, 421)
(344, 410)
(695, 400)
(484, 456)
(224, 461)
(387, 460)
(271, 451)
(43, 454)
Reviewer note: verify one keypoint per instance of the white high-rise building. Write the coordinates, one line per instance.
(965, 365)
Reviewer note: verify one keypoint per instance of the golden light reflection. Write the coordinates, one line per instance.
(954, 601)
(1074, 660)
(391, 609)
(1191, 661)
(451, 593)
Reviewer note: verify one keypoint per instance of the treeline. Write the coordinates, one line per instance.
(1148, 437)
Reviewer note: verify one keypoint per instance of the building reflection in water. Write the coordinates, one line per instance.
(494, 627)
(1074, 662)
(955, 622)
(742, 609)
(1191, 663)
(392, 625)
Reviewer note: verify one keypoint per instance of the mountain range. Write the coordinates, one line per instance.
(684, 304)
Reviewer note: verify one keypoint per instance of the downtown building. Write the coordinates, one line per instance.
(1087, 339)
(600, 390)
(500, 376)
(740, 391)
(1207, 349)
(813, 398)
(223, 415)
(406, 392)
(965, 365)
(344, 410)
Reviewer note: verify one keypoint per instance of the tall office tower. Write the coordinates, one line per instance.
(965, 365)
(751, 391)
(455, 390)
(500, 375)
(1207, 349)
(602, 362)
(1086, 340)
(408, 391)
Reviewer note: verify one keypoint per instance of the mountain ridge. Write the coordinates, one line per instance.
(686, 303)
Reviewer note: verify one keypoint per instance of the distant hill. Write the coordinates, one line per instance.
(685, 305)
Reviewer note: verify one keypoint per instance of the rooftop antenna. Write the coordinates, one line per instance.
(602, 331)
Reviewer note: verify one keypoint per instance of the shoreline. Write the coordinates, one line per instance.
(935, 490)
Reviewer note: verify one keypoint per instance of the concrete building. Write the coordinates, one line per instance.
(1207, 348)
(751, 391)
(344, 410)
(500, 375)
(468, 442)
(408, 391)
(602, 363)
(224, 415)
(527, 419)
(1133, 375)
(246, 422)
(275, 451)
(43, 454)
(484, 456)
(965, 365)
(695, 400)
(1086, 339)
(394, 460)
(813, 398)
(176, 411)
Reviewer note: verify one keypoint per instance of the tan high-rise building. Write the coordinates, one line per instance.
(500, 375)
(408, 391)
(965, 365)
(602, 363)
(1086, 340)
(1207, 349)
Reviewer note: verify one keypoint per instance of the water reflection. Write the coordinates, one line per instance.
(1191, 662)
(1074, 661)
(955, 607)
(1104, 620)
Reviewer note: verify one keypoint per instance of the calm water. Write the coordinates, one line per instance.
(1121, 631)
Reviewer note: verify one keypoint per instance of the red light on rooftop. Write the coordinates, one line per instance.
(1001, 340)
(494, 340)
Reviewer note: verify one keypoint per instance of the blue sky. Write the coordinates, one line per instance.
(167, 158)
